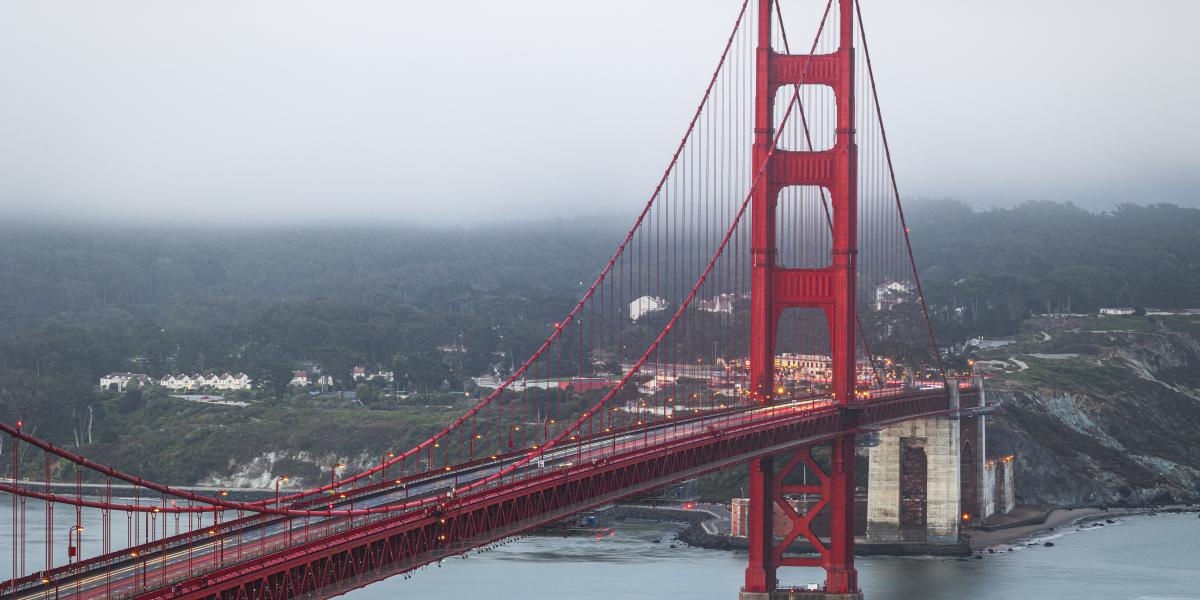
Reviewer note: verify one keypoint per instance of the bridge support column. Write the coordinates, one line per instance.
(973, 444)
(760, 570)
(913, 489)
(841, 576)
(774, 522)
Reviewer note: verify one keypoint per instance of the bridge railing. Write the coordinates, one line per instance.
(878, 407)
(919, 402)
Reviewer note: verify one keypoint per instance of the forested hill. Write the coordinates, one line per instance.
(998, 266)
(77, 303)
(995, 266)
(179, 272)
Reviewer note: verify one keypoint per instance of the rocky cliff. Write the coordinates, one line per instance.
(1100, 411)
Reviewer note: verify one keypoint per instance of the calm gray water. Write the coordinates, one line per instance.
(1140, 558)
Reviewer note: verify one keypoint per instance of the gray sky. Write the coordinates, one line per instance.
(296, 110)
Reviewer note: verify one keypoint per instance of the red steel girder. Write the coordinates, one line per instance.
(376, 550)
(806, 69)
(802, 287)
(803, 167)
(801, 524)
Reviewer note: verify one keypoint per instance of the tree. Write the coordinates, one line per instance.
(368, 395)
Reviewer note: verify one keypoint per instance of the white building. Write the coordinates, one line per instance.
(299, 379)
(210, 380)
(176, 382)
(1120, 311)
(237, 381)
(362, 374)
(225, 381)
(721, 303)
(805, 366)
(122, 380)
(891, 293)
(815, 367)
(646, 305)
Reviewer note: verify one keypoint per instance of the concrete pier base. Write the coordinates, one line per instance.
(914, 482)
(798, 594)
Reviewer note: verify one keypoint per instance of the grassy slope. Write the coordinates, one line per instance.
(180, 442)
(1120, 422)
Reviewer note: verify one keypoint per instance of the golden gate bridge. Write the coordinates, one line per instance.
(777, 206)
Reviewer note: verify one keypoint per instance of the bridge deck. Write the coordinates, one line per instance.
(260, 557)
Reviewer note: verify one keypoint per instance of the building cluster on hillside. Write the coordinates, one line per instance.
(730, 376)
(364, 374)
(721, 303)
(224, 381)
(305, 378)
(804, 366)
(120, 381)
(815, 367)
(886, 296)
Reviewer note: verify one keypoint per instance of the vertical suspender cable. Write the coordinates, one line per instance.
(896, 192)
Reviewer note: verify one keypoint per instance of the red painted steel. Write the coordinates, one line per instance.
(377, 549)
(350, 547)
(832, 290)
(372, 552)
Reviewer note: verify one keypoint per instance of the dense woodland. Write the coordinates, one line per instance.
(77, 303)
(1001, 265)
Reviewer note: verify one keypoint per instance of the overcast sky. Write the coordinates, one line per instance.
(453, 112)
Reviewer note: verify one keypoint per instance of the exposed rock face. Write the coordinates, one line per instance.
(261, 471)
(1118, 424)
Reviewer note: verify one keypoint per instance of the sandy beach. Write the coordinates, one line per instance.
(1058, 518)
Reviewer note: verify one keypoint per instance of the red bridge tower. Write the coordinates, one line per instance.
(831, 289)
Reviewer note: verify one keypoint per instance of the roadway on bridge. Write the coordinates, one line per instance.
(148, 567)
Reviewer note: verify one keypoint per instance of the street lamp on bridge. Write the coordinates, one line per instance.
(288, 519)
(384, 464)
(278, 480)
(74, 538)
(333, 476)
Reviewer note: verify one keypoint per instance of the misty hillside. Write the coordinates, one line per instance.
(75, 304)
(47, 271)
(998, 265)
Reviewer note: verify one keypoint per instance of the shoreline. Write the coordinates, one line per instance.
(1060, 518)
(1057, 518)
(975, 542)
